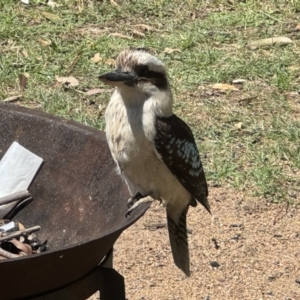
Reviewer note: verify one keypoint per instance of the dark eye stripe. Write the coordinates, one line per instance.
(158, 79)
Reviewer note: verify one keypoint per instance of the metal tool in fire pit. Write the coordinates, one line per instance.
(80, 204)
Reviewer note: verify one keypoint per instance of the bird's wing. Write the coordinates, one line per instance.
(175, 143)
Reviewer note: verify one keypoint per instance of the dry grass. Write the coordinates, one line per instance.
(256, 244)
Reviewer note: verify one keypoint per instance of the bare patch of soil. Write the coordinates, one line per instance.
(256, 245)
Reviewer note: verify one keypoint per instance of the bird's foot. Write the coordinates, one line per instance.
(137, 203)
(136, 197)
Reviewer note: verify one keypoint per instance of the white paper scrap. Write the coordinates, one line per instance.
(7, 226)
(18, 167)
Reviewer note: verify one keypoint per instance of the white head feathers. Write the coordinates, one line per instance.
(129, 59)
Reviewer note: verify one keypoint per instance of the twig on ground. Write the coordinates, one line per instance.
(277, 218)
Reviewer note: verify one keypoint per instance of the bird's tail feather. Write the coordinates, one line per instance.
(179, 242)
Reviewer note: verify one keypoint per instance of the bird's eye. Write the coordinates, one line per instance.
(142, 70)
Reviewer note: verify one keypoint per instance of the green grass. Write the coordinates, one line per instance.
(249, 139)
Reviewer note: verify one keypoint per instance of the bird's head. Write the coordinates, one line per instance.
(137, 69)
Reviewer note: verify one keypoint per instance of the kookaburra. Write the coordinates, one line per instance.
(154, 150)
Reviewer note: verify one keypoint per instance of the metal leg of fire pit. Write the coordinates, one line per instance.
(112, 284)
(104, 279)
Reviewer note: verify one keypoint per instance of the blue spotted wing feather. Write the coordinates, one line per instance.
(176, 145)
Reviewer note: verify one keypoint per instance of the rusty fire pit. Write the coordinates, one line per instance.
(79, 202)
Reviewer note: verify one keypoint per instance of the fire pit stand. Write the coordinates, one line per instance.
(103, 278)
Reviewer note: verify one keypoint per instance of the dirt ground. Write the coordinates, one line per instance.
(256, 245)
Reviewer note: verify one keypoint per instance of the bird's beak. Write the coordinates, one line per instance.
(117, 77)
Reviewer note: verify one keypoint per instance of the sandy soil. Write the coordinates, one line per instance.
(256, 245)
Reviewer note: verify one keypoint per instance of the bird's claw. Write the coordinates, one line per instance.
(132, 200)
(137, 203)
(128, 213)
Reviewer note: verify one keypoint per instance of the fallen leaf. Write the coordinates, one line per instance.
(239, 80)
(293, 94)
(123, 36)
(12, 98)
(223, 87)
(23, 79)
(277, 40)
(70, 81)
(52, 3)
(25, 53)
(144, 27)
(138, 33)
(95, 91)
(96, 58)
(21, 226)
(52, 17)
(114, 3)
(110, 62)
(239, 125)
(44, 43)
(294, 68)
(170, 50)
(297, 28)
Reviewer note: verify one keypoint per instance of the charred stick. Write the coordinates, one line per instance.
(19, 233)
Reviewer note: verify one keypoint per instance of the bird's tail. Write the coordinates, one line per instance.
(179, 242)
